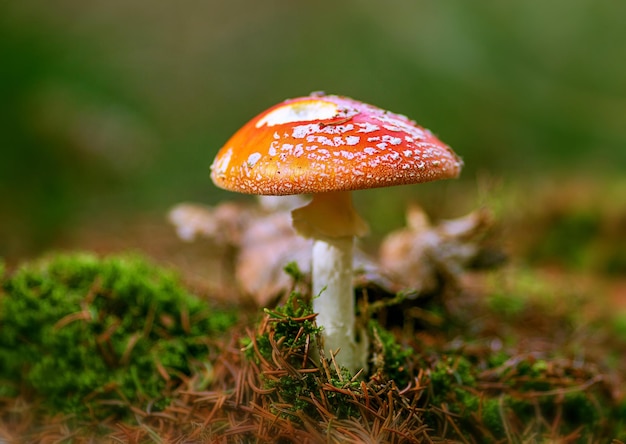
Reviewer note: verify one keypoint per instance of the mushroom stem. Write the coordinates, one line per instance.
(333, 298)
(331, 221)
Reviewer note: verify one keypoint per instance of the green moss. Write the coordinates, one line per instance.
(293, 270)
(497, 359)
(287, 320)
(452, 382)
(491, 416)
(580, 408)
(288, 327)
(451, 371)
(77, 331)
(530, 401)
(533, 375)
(294, 392)
(392, 362)
(291, 332)
(620, 421)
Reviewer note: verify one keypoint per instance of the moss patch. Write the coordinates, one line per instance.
(93, 336)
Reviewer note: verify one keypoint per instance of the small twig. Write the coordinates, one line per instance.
(256, 389)
(565, 390)
(184, 319)
(337, 369)
(132, 341)
(83, 315)
(505, 422)
(147, 327)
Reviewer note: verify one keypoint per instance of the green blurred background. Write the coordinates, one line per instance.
(110, 109)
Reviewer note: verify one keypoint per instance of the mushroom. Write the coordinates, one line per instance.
(328, 146)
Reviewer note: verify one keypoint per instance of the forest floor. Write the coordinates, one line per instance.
(516, 334)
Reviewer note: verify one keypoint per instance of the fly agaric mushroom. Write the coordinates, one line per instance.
(328, 146)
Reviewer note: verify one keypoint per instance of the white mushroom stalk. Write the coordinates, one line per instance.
(330, 220)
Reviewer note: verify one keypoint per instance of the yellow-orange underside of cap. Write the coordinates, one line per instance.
(330, 143)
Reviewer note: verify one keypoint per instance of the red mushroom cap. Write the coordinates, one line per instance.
(326, 143)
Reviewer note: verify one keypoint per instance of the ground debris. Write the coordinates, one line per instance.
(423, 254)
(420, 257)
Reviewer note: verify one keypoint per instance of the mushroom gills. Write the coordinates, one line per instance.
(329, 215)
